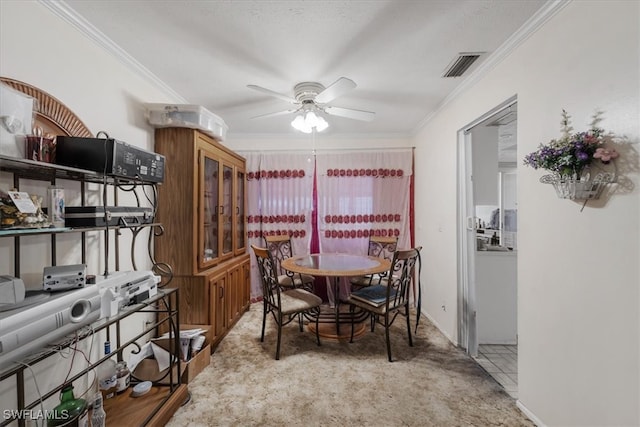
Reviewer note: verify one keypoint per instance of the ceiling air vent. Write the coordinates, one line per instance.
(461, 64)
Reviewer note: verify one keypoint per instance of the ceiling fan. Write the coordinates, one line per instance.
(311, 98)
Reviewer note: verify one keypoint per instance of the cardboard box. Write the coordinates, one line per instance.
(208, 331)
(200, 360)
(197, 363)
(148, 368)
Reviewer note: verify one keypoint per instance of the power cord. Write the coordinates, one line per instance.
(73, 357)
(104, 202)
(33, 375)
(161, 268)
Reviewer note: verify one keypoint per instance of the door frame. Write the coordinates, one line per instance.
(467, 328)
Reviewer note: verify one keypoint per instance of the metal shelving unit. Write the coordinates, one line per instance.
(167, 394)
(167, 390)
(49, 172)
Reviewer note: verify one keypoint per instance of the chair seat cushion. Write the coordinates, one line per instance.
(296, 280)
(295, 300)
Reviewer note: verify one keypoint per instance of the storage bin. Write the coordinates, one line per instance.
(187, 116)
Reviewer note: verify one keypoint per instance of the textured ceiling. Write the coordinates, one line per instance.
(395, 51)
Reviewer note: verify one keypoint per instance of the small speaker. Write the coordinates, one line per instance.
(79, 310)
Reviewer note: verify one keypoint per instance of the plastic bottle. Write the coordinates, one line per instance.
(56, 206)
(107, 375)
(123, 377)
(71, 411)
(98, 416)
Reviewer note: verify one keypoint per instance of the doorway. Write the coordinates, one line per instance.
(487, 244)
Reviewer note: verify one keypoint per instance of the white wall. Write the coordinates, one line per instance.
(322, 141)
(40, 49)
(578, 273)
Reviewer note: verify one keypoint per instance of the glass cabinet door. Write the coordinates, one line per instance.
(240, 214)
(210, 222)
(227, 209)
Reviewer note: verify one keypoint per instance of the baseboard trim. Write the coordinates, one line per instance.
(497, 342)
(537, 421)
(442, 331)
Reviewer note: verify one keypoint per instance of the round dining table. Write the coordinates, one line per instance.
(337, 265)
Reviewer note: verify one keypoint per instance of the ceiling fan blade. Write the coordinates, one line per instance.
(349, 113)
(335, 89)
(274, 94)
(277, 113)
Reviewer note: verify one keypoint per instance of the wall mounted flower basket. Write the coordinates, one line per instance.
(583, 188)
(572, 157)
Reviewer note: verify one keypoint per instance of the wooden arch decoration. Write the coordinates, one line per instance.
(50, 114)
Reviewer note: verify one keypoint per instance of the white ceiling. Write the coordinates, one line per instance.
(396, 51)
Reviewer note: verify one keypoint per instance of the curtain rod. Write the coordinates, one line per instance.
(312, 150)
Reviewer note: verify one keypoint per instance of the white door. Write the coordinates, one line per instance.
(479, 190)
(467, 330)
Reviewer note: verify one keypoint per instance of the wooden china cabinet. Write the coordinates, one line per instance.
(202, 206)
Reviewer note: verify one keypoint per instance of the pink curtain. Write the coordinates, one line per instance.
(359, 193)
(279, 201)
(362, 194)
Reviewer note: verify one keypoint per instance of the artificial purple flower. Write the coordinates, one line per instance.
(573, 152)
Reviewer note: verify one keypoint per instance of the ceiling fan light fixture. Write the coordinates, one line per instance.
(311, 119)
(321, 124)
(312, 98)
(308, 122)
(299, 124)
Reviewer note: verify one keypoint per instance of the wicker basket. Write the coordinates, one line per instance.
(579, 188)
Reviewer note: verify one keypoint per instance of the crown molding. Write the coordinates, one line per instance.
(318, 136)
(533, 24)
(64, 11)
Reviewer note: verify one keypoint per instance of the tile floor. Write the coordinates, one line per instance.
(501, 362)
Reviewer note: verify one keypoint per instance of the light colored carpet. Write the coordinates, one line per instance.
(339, 383)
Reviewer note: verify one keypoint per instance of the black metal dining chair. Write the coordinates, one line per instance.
(281, 248)
(285, 306)
(391, 297)
(381, 247)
